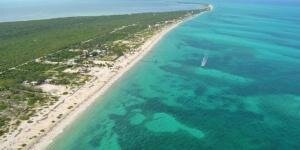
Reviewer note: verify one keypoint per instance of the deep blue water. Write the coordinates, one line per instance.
(247, 96)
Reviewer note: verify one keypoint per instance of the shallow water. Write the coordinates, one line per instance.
(15, 10)
(247, 96)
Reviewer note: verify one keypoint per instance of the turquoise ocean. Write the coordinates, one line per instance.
(246, 96)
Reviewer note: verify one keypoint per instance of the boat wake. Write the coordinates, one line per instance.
(204, 61)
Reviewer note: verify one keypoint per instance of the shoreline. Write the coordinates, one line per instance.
(43, 132)
(145, 48)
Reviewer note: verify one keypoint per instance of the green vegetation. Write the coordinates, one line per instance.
(35, 52)
(26, 40)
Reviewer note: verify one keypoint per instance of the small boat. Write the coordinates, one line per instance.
(204, 61)
(210, 7)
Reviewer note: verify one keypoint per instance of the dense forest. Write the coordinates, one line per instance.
(26, 40)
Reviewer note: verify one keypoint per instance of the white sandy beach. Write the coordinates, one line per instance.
(51, 121)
